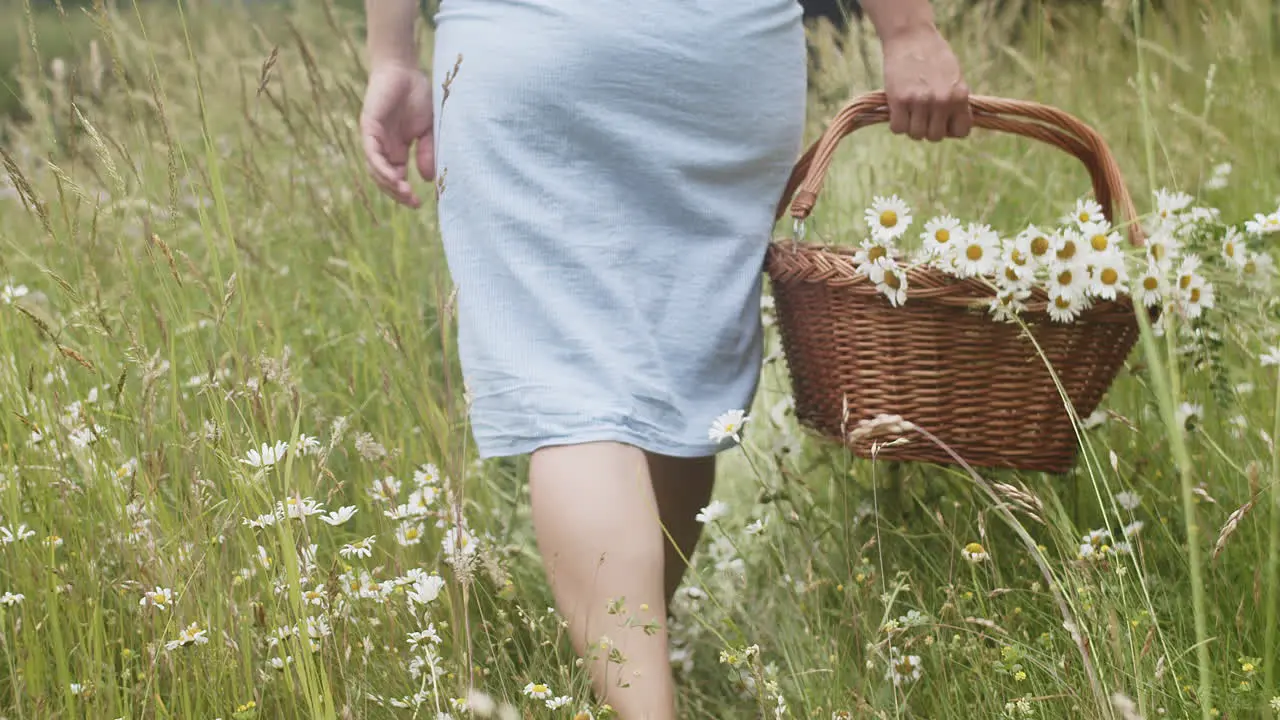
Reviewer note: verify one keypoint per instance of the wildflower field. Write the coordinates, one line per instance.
(235, 473)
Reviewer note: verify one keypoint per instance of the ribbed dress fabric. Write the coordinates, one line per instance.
(611, 169)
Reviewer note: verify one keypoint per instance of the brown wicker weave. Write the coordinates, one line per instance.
(940, 361)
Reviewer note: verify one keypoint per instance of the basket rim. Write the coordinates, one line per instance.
(820, 263)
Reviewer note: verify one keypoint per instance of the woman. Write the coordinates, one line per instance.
(612, 167)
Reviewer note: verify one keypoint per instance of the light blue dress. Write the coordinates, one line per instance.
(611, 170)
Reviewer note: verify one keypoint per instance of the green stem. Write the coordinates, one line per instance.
(1273, 556)
(1167, 391)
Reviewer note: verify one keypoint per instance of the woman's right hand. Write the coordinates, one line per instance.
(396, 121)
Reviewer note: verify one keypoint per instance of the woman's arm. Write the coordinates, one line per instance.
(397, 118)
(390, 32)
(928, 97)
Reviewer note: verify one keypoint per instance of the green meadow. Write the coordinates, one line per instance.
(236, 479)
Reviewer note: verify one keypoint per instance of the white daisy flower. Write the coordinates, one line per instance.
(1186, 272)
(872, 250)
(9, 293)
(339, 516)
(889, 279)
(425, 589)
(409, 533)
(1128, 500)
(297, 508)
(1170, 204)
(1234, 249)
(1064, 307)
(1100, 236)
(1263, 224)
(1258, 266)
(363, 548)
(1069, 277)
(1271, 357)
(1037, 244)
(1132, 528)
(1198, 297)
(941, 236)
(1069, 246)
(459, 546)
(1109, 276)
(1189, 414)
(728, 425)
(974, 553)
(1011, 274)
(903, 669)
(307, 444)
(888, 218)
(537, 691)
(558, 702)
(979, 253)
(160, 598)
(268, 456)
(1009, 302)
(10, 599)
(1087, 211)
(192, 634)
(1151, 285)
(1218, 176)
(712, 512)
(8, 535)
(262, 521)
(1162, 249)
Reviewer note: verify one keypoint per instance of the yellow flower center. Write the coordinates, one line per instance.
(1150, 283)
(974, 252)
(539, 688)
(942, 235)
(1184, 281)
(1099, 242)
(1195, 295)
(1229, 250)
(1040, 246)
(876, 252)
(1064, 277)
(1068, 250)
(1157, 251)
(1011, 273)
(1110, 276)
(1083, 216)
(1247, 667)
(888, 218)
(1062, 302)
(1250, 267)
(891, 280)
(1018, 258)
(974, 547)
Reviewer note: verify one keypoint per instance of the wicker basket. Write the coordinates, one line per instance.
(940, 361)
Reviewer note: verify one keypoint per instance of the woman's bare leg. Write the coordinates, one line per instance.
(596, 522)
(682, 487)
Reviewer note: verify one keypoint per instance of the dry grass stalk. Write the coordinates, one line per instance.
(1021, 499)
(1229, 528)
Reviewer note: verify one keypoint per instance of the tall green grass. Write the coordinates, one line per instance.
(207, 270)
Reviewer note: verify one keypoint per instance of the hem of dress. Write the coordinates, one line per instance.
(500, 448)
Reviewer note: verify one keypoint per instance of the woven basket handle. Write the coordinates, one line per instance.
(1018, 117)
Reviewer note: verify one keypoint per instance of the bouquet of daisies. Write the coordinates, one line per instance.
(1069, 268)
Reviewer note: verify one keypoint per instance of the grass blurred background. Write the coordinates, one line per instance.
(192, 264)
